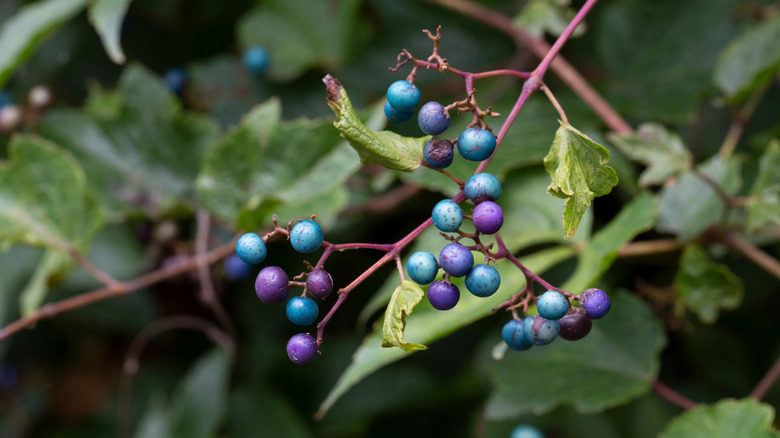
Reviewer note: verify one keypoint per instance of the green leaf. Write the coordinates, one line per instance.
(601, 251)
(50, 270)
(264, 414)
(725, 419)
(385, 148)
(764, 208)
(401, 304)
(690, 206)
(107, 16)
(155, 423)
(662, 151)
(140, 150)
(200, 402)
(705, 286)
(540, 16)
(24, 32)
(578, 170)
(615, 363)
(44, 200)
(428, 324)
(750, 61)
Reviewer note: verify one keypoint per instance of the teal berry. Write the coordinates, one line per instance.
(175, 79)
(403, 96)
(513, 336)
(456, 260)
(5, 98)
(447, 216)
(526, 431)
(396, 116)
(552, 305)
(302, 311)
(306, 236)
(540, 331)
(433, 118)
(256, 59)
(476, 144)
(251, 248)
(483, 280)
(482, 187)
(422, 267)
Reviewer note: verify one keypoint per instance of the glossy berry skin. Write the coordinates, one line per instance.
(476, 144)
(396, 116)
(575, 325)
(403, 96)
(433, 118)
(175, 79)
(235, 268)
(447, 216)
(443, 295)
(540, 331)
(438, 153)
(251, 248)
(456, 259)
(552, 305)
(422, 267)
(526, 431)
(595, 302)
(483, 280)
(482, 187)
(272, 285)
(306, 236)
(513, 336)
(256, 59)
(488, 217)
(319, 283)
(302, 311)
(301, 348)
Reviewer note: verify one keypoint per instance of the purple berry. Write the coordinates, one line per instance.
(575, 325)
(272, 285)
(301, 348)
(433, 118)
(235, 268)
(319, 283)
(595, 302)
(487, 217)
(443, 295)
(456, 259)
(439, 153)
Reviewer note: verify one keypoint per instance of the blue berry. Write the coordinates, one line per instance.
(552, 305)
(483, 280)
(272, 285)
(456, 259)
(306, 236)
(433, 118)
(175, 79)
(526, 431)
(476, 144)
(5, 98)
(513, 336)
(251, 248)
(235, 268)
(302, 311)
(301, 348)
(443, 295)
(256, 59)
(319, 283)
(488, 217)
(447, 216)
(595, 302)
(397, 116)
(422, 267)
(403, 95)
(482, 187)
(540, 331)
(438, 153)
(575, 325)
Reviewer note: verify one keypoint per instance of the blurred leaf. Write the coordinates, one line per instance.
(427, 324)
(107, 16)
(264, 414)
(401, 304)
(21, 35)
(51, 268)
(750, 61)
(706, 286)
(200, 402)
(599, 254)
(155, 423)
(725, 419)
(540, 16)
(690, 206)
(45, 200)
(221, 84)
(662, 151)
(303, 34)
(605, 369)
(141, 155)
(764, 208)
(578, 170)
(385, 148)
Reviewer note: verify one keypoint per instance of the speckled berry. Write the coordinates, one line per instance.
(552, 305)
(526, 431)
(251, 248)
(302, 311)
(438, 153)
(483, 280)
(301, 348)
(447, 216)
(422, 267)
(256, 59)
(433, 118)
(403, 95)
(595, 302)
(443, 295)
(575, 325)
(540, 331)
(488, 217)
(319, 283)
(306, 236)
(513, 336)
(396, 116)
(456, 259)
(476, 144)
(272, 285)
(482, 187)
